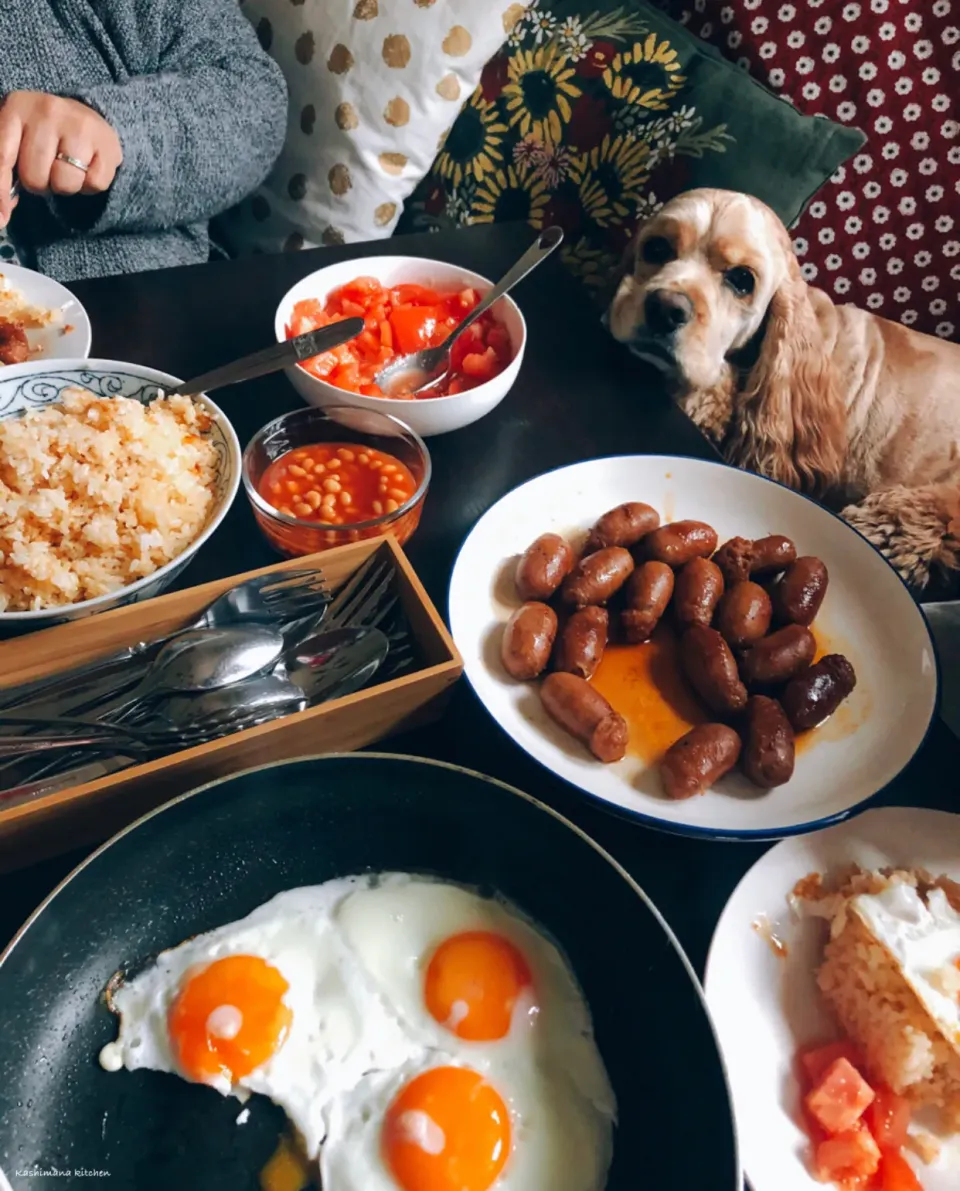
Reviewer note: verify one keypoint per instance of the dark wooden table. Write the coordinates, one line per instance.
(579, 396)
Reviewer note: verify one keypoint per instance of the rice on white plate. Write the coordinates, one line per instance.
(98, 492)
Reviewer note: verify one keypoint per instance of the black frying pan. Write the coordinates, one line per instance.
(212, 856)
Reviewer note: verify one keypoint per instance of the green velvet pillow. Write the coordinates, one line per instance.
(593, 114)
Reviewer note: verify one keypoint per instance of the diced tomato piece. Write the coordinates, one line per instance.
(847, 1157)
(482, 366)
(896, 1174)
(467, 299)
(371, 390)
(840, 1097)
(412, 327)
(386, 335)
(888, 1118)
(456, 386)
(360, 290)
(352, 309)
(414, 295)
(369, 342)
(816, 1059)
(499, 339)
(321, 365)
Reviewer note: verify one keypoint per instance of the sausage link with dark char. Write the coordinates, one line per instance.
(582, 642)
(543, 566)
(711, 670)
(779, 657)
(680, 541)
(743, 616)
(771, 554)
(698, 760)
(597, 577)
(734, 558)
(646, 597)
(769, 750)
(817, 693)
(528, 638)
(584, 713)
(798, 595)
(698, 591)
(623, 526)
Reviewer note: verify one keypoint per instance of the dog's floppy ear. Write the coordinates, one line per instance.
(790, 422)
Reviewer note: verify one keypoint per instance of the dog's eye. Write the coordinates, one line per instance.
(741, 281)
(657, 250)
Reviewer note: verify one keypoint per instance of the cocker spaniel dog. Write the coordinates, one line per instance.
(851, 408)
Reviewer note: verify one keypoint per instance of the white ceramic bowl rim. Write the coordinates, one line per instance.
(162, 380)
(295, 522)
(476, 279)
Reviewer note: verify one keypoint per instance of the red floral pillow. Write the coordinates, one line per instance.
(884, 233)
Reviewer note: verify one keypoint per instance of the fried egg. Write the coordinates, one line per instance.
(922, 934)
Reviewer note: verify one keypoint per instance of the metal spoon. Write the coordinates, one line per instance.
(410, 375)
(203, 660)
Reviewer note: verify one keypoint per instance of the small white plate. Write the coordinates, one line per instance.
(868, 614)
(69, 335)
(765, 1006)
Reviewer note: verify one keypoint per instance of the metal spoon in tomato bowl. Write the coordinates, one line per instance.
(412, 375)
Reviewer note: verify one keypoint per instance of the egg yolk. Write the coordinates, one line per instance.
(228, 1018)
(473, 982)
(447, 1130)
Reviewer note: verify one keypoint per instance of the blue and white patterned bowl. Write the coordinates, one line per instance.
(34, 385)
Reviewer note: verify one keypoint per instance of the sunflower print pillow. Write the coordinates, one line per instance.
(593, 118)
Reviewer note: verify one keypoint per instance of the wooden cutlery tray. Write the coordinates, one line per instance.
(87, 813)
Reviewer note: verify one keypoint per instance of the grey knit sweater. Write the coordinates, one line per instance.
(200, 110)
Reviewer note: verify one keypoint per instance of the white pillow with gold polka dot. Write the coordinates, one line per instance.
(374, 86)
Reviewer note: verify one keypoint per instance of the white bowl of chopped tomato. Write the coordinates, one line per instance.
(407, 303)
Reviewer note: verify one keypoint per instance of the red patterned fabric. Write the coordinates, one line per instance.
(884, 233)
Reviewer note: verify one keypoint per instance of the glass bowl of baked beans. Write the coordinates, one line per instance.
(318, 478)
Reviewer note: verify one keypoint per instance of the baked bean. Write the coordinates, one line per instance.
(597, 577)
(799, 593)
(584, 713)
(313, 499)
(711, 670)
(528, 638)
(391, 506)
(734, 558)
(772, 554)
(680, 541)
(295, 470)
(582, 642)
(331, 485)
(543, 566)
(744, 614)
(377, 508)
(769, 750)
(697, 593)
(646, 597)
(814, 695)
(779, 657)
(623, 526)
(698, 760)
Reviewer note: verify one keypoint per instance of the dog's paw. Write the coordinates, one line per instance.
(907, 526)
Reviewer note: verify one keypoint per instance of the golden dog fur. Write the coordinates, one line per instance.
(831, 400)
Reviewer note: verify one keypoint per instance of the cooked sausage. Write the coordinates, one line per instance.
(543, 566)
(743, 616)
(646, 596)
(698, 591)
(623, 526)
(528, 638)
(582, 642)
(735, 558)
(779, 657)
(585, 714)
(597, 577)
(817, 693)
(711, 670)
(771, 554)
(14, 345)
(799, 594)
(699, 759)
(769, 750)
(680, 541)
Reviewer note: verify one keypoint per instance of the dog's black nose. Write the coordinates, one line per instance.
(666, 311)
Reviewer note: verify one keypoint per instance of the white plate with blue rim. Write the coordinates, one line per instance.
(65, 332)
(762, 993)
(868, 615)
(38, 384)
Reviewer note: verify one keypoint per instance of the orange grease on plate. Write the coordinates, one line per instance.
(765, 929)
(286, 1169)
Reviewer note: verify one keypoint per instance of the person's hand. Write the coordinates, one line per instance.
(34, 128)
